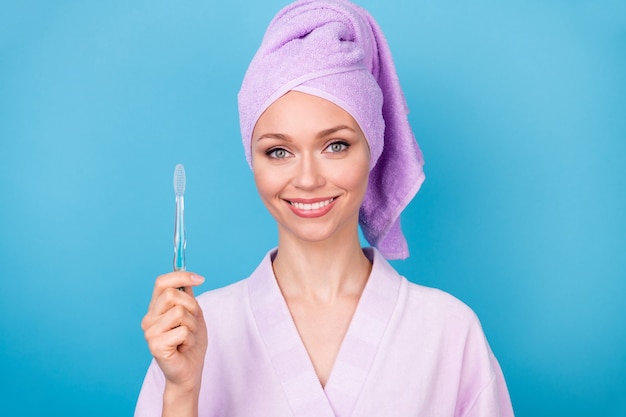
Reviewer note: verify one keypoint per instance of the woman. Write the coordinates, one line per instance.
(322, 327)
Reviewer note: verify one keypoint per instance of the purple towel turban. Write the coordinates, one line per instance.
(335, 50)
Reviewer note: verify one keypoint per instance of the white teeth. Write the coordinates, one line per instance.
(311, 206)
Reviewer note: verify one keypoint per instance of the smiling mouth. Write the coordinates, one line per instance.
(311, 206)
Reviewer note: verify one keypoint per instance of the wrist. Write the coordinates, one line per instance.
(180, 400)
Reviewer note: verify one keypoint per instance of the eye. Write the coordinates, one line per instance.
(277, 153)
(338, 146)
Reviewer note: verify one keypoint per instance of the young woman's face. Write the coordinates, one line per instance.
(311, 163)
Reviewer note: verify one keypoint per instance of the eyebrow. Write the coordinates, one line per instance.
(322, 134)
(332, 130)
(274, 136)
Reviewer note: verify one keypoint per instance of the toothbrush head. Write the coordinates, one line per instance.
(179, 180)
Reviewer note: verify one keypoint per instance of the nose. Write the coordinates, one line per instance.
(308, 174)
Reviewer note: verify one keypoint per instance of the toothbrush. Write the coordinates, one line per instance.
(180, 241)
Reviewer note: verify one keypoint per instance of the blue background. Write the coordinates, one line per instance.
(519, 108)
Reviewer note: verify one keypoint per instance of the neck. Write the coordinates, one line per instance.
(321, 271)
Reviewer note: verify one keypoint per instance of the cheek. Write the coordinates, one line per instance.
(260, 178)
(267, 185)
(262, 182)
(353, 177)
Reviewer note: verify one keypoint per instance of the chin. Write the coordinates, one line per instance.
(316, 232)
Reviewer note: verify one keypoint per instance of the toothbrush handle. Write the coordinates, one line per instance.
(180, 241)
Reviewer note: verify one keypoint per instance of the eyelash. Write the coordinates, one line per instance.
(272, 151)
(344, 146)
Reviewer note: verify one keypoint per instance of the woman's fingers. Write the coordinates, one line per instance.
(173, 314)
(166, 295)
(175, 317)
(171, 297)
(166, 345)
(178, 279)
(188, 341)
(175, 329)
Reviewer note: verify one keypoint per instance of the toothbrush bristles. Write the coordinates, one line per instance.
(179, 180)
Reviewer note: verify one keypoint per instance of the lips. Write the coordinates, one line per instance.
(311, 207)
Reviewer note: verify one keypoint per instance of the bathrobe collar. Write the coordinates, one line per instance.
(359, 348)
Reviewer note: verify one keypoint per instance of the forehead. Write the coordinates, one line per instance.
(301, 112)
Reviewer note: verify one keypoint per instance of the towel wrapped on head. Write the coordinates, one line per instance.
(335, 50)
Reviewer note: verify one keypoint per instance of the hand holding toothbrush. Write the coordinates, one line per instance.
(176, 333)
(174, 325)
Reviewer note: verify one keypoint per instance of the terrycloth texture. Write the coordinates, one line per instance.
(335, 50)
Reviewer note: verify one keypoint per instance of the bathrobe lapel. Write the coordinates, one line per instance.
(284, 346)
(289, 357)
(365, 334)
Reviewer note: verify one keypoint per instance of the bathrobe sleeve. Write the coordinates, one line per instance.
(150, 401)
(493, 400)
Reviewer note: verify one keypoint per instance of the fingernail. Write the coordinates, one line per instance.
(197, 278)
